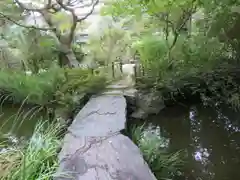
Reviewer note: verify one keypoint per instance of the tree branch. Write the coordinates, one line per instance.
(22, 25)
(65, 7)
(184, 18)
(85, 5)
(74, 19)
(56, 7)
(21, 5)
(94, 4)
(48, 20)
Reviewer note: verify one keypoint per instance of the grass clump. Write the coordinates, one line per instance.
(35, 160)
(154, 148)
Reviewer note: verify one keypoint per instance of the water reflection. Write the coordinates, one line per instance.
(211, 137)
(16, 125)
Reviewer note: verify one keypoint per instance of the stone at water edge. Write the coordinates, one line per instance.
(147, 104)
(130, 95)
(139, 114)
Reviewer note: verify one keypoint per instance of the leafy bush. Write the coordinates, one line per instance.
(199, 65)
(47, 87)
(80, 80)
(34, 49)
(36, 89)
(152, 51)
(77, 84)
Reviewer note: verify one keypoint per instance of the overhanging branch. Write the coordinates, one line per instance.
(23, 25)
(75, 18)
(21, 5)
(94, 4)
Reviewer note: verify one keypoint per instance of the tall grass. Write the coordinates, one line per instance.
(154, 148)
(36, 160)
(15, 117)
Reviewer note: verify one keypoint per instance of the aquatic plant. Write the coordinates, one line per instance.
(165, 165)
(37, 160)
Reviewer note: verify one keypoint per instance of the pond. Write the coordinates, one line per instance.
(17, 124)
(211, 137)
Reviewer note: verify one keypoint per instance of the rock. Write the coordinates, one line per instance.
(130, 95)
(147, 104)
(100, 116)
(112, 157)
(139, 114)
(94, 148)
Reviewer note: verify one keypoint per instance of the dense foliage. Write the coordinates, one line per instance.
(186, 47)
(54, 87)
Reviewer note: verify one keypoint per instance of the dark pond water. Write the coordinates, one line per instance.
(17, 124)
(211, 137)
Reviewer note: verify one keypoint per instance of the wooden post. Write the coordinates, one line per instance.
(121, 64)
(113, 73)
(92, 71)
(135, 73)
(142, 69)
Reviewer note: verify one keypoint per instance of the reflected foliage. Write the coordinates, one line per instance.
(211, 137)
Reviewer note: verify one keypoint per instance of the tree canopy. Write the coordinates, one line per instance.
(60, 17)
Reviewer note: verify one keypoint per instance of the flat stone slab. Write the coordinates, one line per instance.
(117, 86)
(102, 115)
(94, 148)
(113, 92)
(102, 158)
(131, 92)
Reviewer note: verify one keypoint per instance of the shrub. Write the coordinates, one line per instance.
(152, 51)
(199, 65)
(36, 89)
(82, 81)
(77, 84)
(49, 87)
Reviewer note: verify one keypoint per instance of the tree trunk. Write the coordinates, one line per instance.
(72, 58)
(67, 56)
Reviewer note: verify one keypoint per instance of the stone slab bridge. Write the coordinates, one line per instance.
(94, 148)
